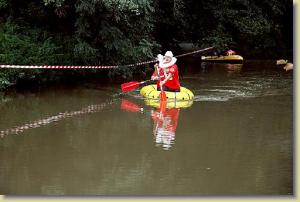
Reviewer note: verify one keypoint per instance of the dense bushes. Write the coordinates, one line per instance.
(118, 32)
(24, 45)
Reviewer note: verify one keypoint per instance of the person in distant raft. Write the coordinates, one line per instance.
(168, 73)
(230, 52)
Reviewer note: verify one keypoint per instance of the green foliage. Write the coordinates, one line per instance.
(85, 53)
(55, 2)
(18, 48)
(3, 4)
(219, 38)
(115, 32)
(20, 45)
(119, 32)
(253, 28)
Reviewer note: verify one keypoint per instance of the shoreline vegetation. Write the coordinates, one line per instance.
(110, 32)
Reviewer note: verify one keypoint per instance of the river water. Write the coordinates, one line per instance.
(235, 139)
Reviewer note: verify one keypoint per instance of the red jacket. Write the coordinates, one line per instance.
(173, 82)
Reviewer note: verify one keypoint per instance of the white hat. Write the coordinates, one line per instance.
(169, 54)
(163, 64)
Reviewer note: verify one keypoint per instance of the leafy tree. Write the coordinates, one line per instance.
(118, 32)
(114, 32)
(17, 47)
(253, 28)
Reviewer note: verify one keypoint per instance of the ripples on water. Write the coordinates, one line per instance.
(214, 86)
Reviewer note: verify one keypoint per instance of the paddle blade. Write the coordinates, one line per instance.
(125, 87)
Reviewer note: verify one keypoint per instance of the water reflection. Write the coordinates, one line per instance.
(230, 68)
(164, 126)
(55, 118)
(164, 122)
(233, 68)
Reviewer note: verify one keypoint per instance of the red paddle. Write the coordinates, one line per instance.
(132, 85)
(163, 99)
(162, 95)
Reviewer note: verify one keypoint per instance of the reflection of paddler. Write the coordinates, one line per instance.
(165, 121)
(165, 124)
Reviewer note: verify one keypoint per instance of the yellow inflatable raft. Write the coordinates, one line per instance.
(181, 99)
(150, 92)
(170, 103)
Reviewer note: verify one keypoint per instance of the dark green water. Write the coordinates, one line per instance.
(236, 138)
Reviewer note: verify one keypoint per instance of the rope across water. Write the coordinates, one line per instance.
(4, 66)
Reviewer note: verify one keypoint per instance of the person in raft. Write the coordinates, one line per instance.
(168, 76)
(230, 52)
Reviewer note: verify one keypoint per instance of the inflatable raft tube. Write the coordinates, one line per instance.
(170, 103)
(150, 92)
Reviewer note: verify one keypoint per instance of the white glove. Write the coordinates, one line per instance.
(160, 57)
